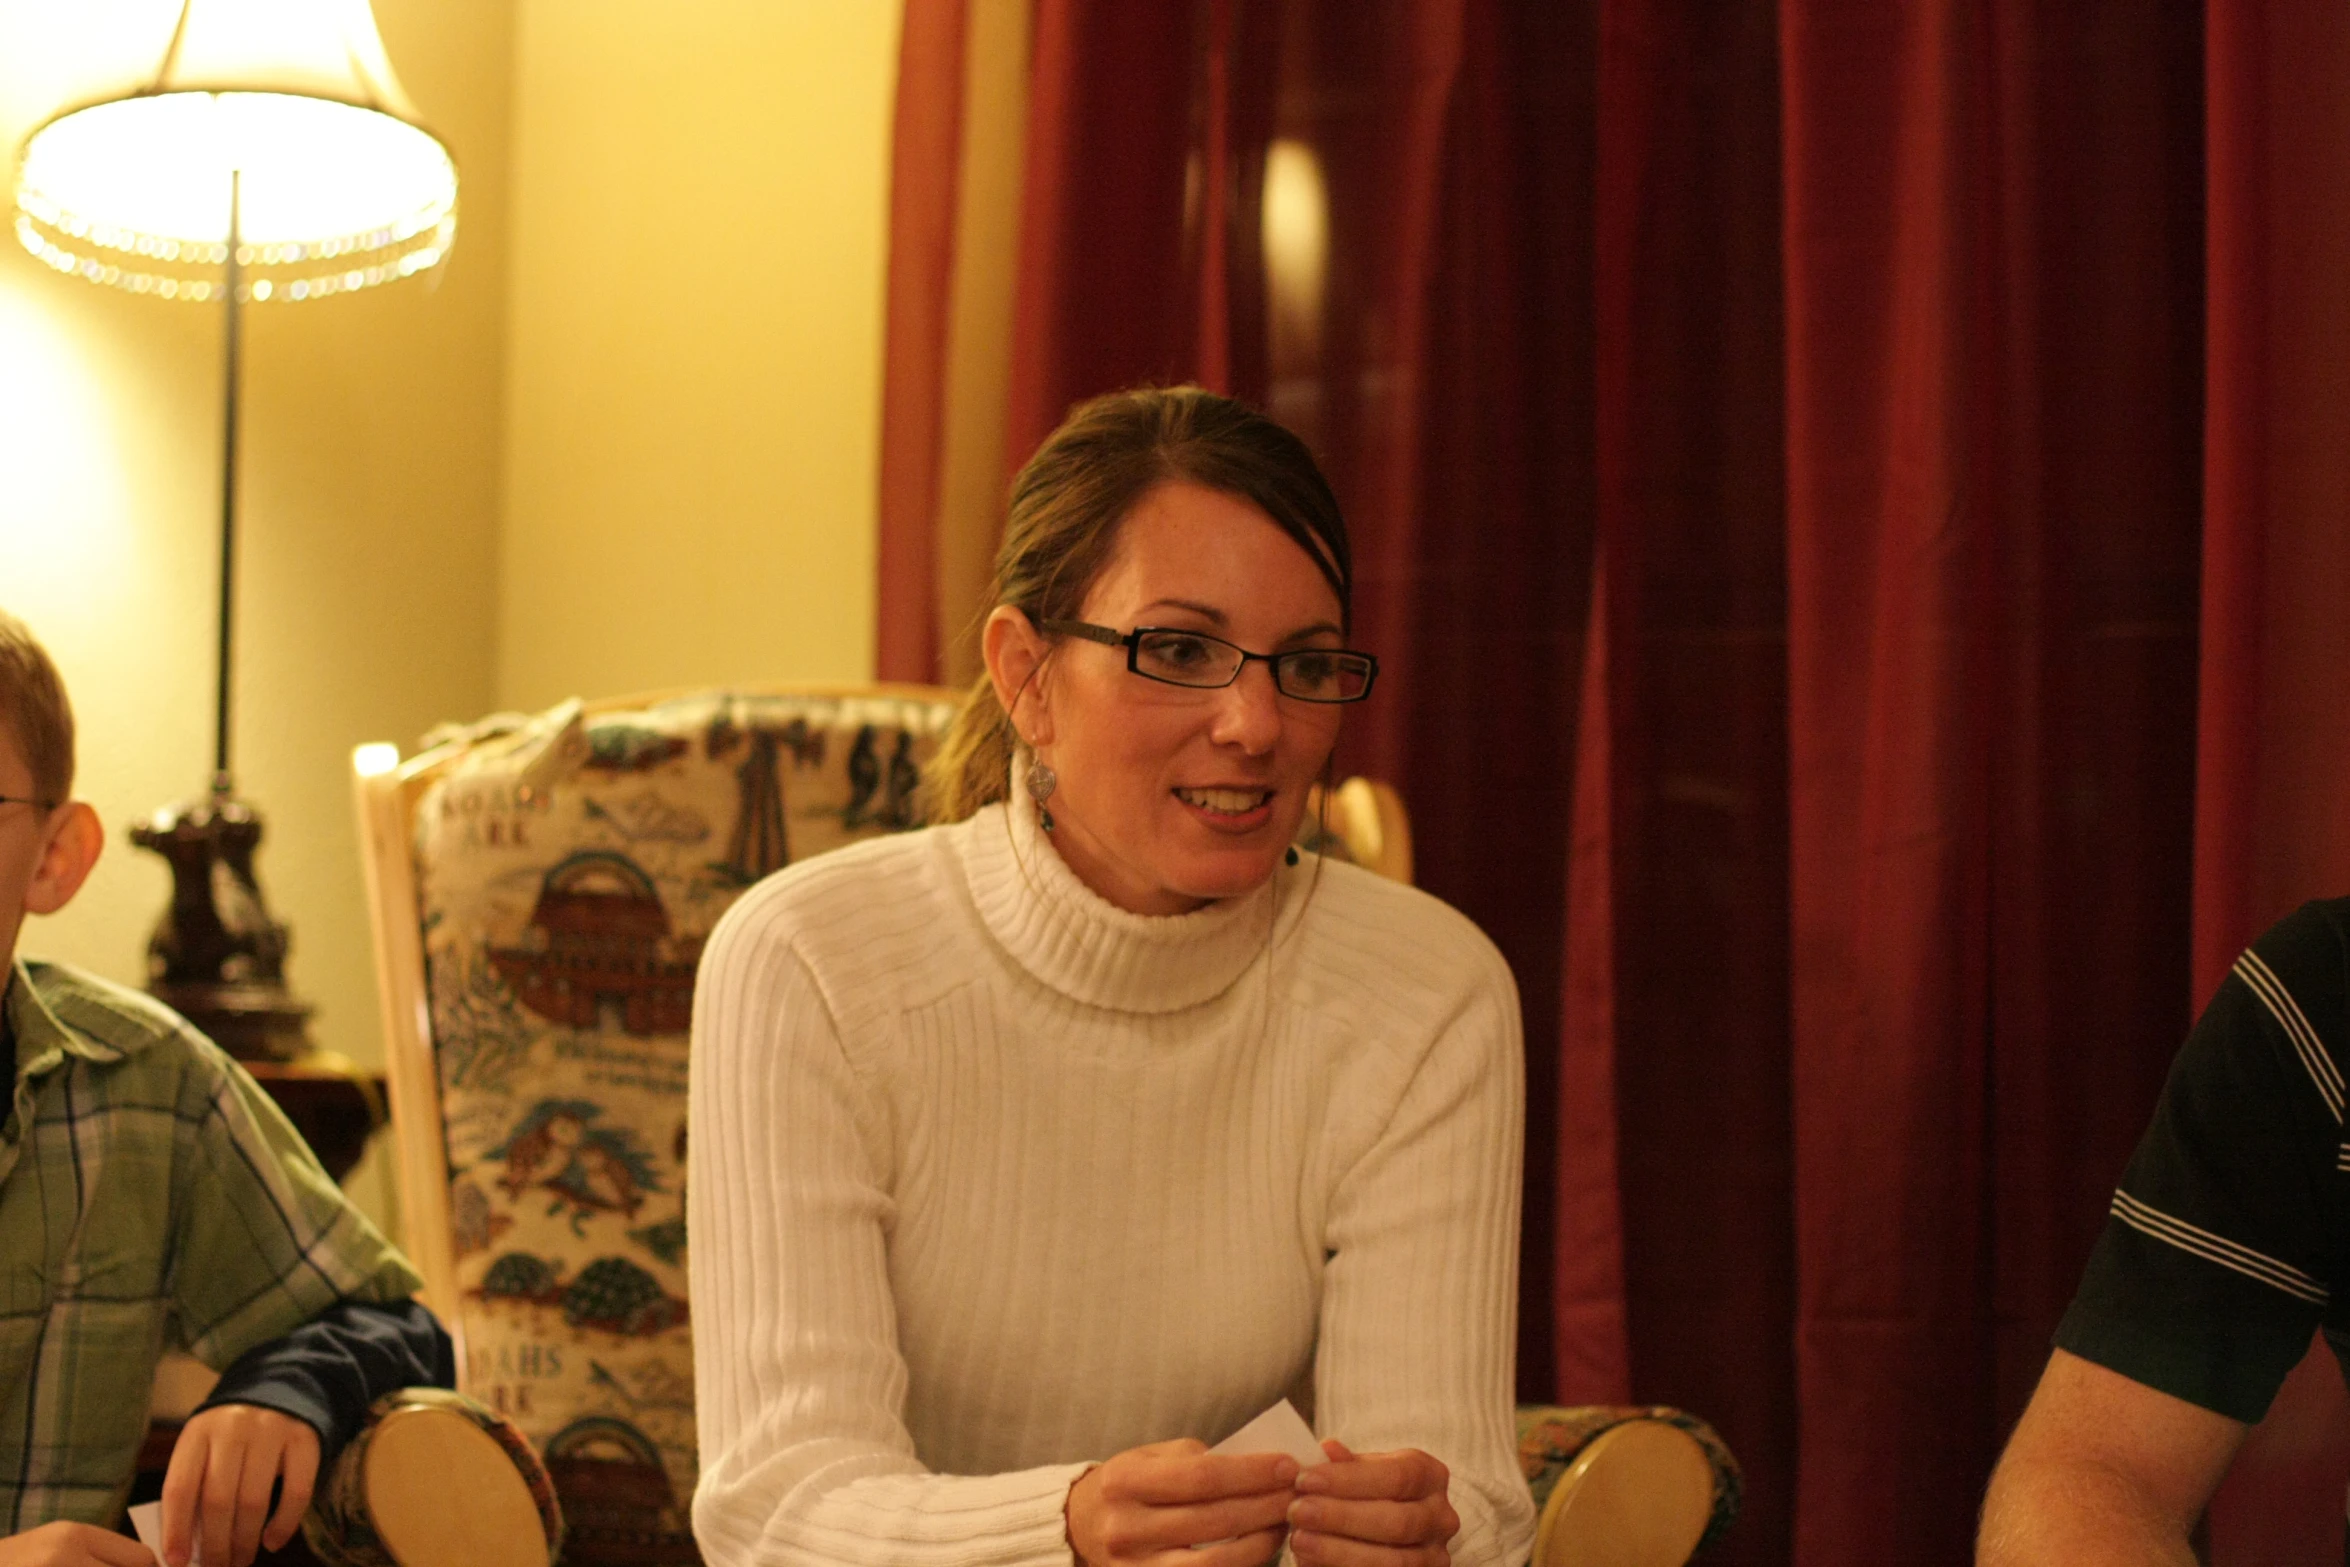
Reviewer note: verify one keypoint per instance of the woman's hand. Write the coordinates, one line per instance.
(1152, 1503)
(223, 1468)
(1376, 1510)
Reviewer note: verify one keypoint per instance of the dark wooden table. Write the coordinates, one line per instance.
(333, 1102)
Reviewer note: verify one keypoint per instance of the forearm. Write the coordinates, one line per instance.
(2077, 1513)
(760, 1518)
(1418, 1339)
(327, 1371)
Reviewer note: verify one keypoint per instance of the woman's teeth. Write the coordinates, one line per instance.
(1229, 802)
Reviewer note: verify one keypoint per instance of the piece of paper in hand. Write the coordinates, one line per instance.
(1280, 1429)
(147, 1518)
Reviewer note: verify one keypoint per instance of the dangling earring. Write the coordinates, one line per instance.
(1042, 781)
(1290, 858)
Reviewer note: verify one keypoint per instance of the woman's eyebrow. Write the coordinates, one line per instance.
(1217, 618)
(1207, 612)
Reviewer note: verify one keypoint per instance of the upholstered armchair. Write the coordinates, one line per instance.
(541, 888)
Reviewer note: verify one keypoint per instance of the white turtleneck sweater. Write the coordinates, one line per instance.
(991, 1179)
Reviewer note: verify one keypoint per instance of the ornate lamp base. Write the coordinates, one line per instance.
(217, 958)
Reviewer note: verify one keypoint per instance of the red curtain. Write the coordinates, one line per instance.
(2270, 829)
(1858, 582)
(1993, 294)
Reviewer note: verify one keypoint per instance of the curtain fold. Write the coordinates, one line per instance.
(2270, 830)
(1991, 530)
(925, 148)
(1857, 646)
(1890, 668)
(1103, 298)
(1688, 360)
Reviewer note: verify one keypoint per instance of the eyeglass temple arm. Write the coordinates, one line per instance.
(1078, 628)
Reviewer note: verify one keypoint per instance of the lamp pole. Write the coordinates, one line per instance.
(228, 485)
(220, 960)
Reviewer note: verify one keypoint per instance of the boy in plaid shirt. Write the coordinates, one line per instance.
(152, 1196)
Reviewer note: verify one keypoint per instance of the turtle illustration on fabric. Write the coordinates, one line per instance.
(616, 1295)
(589, 1169)
(520, 1276)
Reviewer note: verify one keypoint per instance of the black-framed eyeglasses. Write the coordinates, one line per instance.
(1193, 658)
(18, 799)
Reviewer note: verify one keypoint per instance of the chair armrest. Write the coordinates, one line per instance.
(1656, 1483)
(432, 1477)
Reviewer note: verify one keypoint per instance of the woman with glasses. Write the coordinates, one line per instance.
(1038, 1149)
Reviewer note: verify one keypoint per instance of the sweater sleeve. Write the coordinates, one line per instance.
(798, 1379)
(330, 1369)
(1419, 1308)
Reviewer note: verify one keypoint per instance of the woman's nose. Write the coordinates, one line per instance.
(1248, 711)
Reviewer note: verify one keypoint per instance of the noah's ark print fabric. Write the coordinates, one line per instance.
(570, 868)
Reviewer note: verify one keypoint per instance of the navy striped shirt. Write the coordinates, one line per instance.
(2226, 1245)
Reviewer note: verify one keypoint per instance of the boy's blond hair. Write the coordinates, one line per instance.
(35, 711)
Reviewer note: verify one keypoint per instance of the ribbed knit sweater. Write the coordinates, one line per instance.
(991, 1179)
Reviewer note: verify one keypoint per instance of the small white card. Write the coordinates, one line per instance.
(147, 1518)
(1280, 1429)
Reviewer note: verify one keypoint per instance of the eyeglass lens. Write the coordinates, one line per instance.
(1190, 659)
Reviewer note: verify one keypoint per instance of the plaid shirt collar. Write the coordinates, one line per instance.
(42, 1042)
(42, 1039)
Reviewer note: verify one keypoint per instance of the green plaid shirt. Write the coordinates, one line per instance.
(151, 1197)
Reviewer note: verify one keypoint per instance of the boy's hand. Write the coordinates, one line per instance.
(222, 1469)
(72, 1545)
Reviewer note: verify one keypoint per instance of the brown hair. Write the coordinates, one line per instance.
(1068, 504)
(34, 709)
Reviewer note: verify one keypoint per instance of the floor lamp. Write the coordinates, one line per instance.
(271, 157)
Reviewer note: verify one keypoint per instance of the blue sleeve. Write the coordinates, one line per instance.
(327, 1371)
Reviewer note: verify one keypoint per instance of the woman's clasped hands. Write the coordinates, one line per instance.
(1175, 1504)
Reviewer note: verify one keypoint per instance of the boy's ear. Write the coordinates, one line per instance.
(75, 840)
(1015, 653)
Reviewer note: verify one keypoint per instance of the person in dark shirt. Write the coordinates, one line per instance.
(153, 1197)
(2225, 1249)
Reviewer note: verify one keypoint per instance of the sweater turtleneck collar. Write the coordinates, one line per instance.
(1076, 941)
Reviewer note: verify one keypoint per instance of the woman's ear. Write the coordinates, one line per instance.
(1015, 652)
(75, 840)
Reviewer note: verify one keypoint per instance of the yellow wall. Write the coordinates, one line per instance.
(368, 527)
(694, 343)
(626, 438)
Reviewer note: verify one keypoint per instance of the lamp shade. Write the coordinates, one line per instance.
(338, 187)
